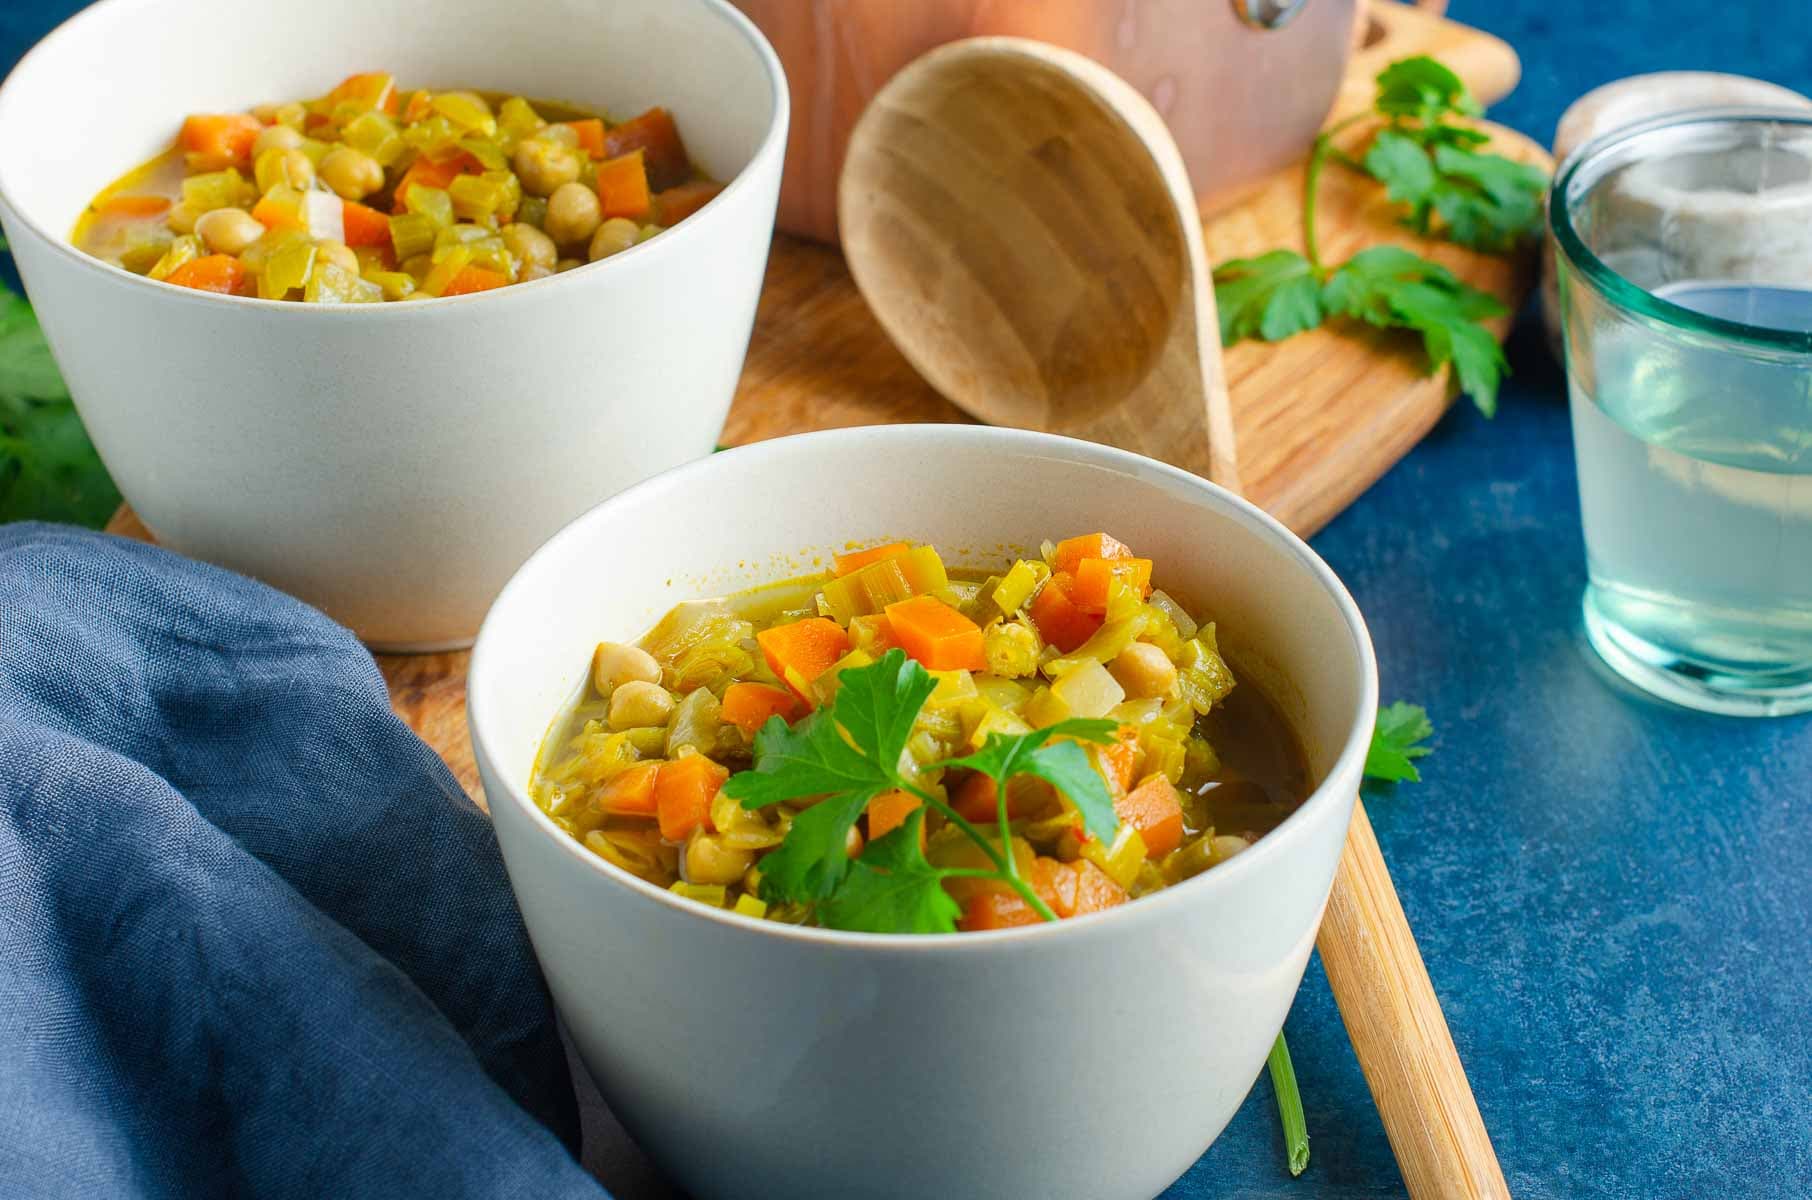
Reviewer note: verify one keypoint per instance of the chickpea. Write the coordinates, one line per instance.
(228, 230)
(276, 137)
(709, 860)
(567, 264)
(614, 664)
(1144, 670)
(531, 273)
(182, 218)
(352, 173)
(613, 237)
(531, 247)
(573, 214)
(637, 704)
(544, 165)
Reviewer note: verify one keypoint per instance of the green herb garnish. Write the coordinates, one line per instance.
(1397, 742)
(847, 753)
(1289, 1106)
(1433, 167)
(48, 468)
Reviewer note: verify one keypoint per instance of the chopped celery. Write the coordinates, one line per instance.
(375, 134)
(1137, 712)
(701, 644)
(516, 119)
(1163, 755)
(145, 252)
(694, 723)
(396, 285)
(443, 271)
(649, 740)
(648, 231)
(1003, 693)
(467, 110)
(749, 906)
(412, 234)
(1011, 649)
(512, 192)
(287, 269)
(1200, 763)
(1123, 600)
(272, 169)
(475, 197)
(483, 248)
(316, 149)
(489, 154)
(1178, 616)
(1018, 585)
(953, 687)
(1088, 691)
(705, 893)
(329, 283)
(995, 719)
(877, 585)
(1121, 860)
(430, 202)
(181, 250)
(1203, 677)
(292, 115)
(216, 189)
(436, 137)
(1044, 708)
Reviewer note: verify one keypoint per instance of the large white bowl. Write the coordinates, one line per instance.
(392, 464)
(1093, 1059)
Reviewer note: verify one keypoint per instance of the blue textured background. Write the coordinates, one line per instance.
(1612, 896)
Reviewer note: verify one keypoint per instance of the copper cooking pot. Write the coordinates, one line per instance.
(1243, 84)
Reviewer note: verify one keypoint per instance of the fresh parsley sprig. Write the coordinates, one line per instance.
(845, 754)
(1434, 167)
(48, 468)
(1397, 743)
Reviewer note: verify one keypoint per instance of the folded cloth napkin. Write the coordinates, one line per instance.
(254, 940)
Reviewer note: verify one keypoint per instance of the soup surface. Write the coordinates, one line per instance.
(373, 193)
(832, 750)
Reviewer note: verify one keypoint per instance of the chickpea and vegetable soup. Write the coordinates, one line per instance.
(372, 193)
(889, 747)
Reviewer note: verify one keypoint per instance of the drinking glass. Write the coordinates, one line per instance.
(1684, 248)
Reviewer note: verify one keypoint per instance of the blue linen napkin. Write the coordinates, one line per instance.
(254, 939)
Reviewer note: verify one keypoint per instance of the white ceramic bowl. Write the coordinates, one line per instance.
(392, 464)
(1094, 1059)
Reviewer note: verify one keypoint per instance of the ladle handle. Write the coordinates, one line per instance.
(1399, 1034)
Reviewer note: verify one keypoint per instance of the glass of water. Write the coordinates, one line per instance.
(1684, 248)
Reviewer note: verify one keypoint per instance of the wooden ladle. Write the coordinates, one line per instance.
(1020, 222)
(1022, 225)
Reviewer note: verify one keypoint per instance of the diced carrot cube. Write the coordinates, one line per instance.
(273, 214)
(1056, 884)
(1095, 889)
(134, 207)
(215, 141)
(806, 649)
(591, 135)
(1060, 621)
(974, 799)
(683, 790)
(855, 560)
(1095, 576)
(1154, 809)
(374, 89)
(749, 705)
(937, 635)
(630, 793)
(623, 186)
(677, 203)
(655, 133)
(474, 279)
(364, 225)
(1121, 756)
(996, 910)
(215, 273)
(888, 811)
(429, 173)
(1071, 551)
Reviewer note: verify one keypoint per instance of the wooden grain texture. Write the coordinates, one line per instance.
(1022, 226)
(1398, 1032)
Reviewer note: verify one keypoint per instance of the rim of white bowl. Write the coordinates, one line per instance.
(1146, 909)
(773, 144)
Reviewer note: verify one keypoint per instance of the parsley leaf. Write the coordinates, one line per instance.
(1389, 287)
(1489, 202)
(1422, 88)
(1271, 296)
(892, 888)
(1399, 162)
(48, 468)
(1396, 743)
(1064, 765)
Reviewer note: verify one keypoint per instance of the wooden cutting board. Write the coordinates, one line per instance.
(1317, 419)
